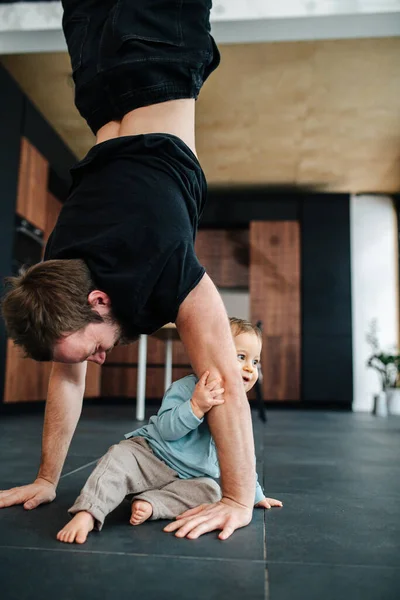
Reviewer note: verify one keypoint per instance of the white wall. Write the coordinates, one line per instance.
(36, 27)
(237, 303)
(375, 291)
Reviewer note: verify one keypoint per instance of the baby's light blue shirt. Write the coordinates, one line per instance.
(180, 439)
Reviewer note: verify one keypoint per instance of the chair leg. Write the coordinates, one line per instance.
(262, 413)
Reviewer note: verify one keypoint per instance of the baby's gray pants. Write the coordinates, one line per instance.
(131, 467)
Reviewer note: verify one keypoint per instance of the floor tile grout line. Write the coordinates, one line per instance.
(79, 468)
(136, 554)
(339, 565)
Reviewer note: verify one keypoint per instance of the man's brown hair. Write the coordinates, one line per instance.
(46, 302)
(239, 326)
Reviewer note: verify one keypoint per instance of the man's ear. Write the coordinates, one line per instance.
(99, 300)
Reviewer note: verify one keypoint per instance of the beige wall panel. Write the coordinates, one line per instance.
(323, 112)
(311, 112)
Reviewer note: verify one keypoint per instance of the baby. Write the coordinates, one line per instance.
(169, 465)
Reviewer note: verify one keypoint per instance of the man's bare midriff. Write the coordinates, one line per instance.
(175, 117)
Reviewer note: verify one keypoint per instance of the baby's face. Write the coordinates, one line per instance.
(248, 351)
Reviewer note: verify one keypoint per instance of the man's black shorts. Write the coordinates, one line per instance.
(126, 54)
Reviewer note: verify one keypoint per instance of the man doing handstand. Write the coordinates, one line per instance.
(121, 260)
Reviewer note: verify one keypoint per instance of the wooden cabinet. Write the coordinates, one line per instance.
(27, 380)
(225, 255)
(275, 300)
(32, 193)
(119, 374)
(93, 380)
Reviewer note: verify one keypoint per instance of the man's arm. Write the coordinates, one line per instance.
(204, 329)
(63, 409)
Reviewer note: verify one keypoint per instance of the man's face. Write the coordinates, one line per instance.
(90, 343)
(93, 341)
(248, 350)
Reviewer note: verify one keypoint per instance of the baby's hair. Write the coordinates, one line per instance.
(239, 326)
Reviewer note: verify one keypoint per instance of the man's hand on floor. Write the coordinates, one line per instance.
(40, 491)
(226, 515)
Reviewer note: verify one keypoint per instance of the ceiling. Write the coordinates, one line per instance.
(325, 112)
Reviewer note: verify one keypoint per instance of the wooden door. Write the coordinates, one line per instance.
(225, 255)
(275, 300)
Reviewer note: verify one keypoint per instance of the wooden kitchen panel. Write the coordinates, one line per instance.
(118, 382)
(275, 300)
(225, 255)
(32, 185)
(123, 354)
(122, 381)
(281, 367)
(179, 354)
(26, 379)
(129, 353)
(93, 380)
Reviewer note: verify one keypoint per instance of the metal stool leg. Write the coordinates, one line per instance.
(141, 381)
(168, 364)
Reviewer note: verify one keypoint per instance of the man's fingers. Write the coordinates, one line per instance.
(183, 526)
(191, 511)
(174, 525)
(10, 497)
(203, 528)
(208, 517)
(191, 524)
(33, 503)
(226, 532)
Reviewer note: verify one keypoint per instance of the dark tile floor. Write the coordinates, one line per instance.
(338, 535)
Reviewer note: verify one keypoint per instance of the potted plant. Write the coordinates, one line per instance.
(387, 366)
(393, 392)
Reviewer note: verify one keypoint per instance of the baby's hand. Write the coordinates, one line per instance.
(268, 503)
(206, 395)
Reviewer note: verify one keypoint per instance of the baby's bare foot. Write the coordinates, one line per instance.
(141, 511)
(77, 529)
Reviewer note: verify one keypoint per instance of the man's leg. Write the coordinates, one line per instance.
(127, 55)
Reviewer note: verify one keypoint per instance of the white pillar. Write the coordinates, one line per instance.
(168, 363)
(141, 379)
(374, 287)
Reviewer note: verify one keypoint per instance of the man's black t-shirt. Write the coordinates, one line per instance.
(132, 216)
